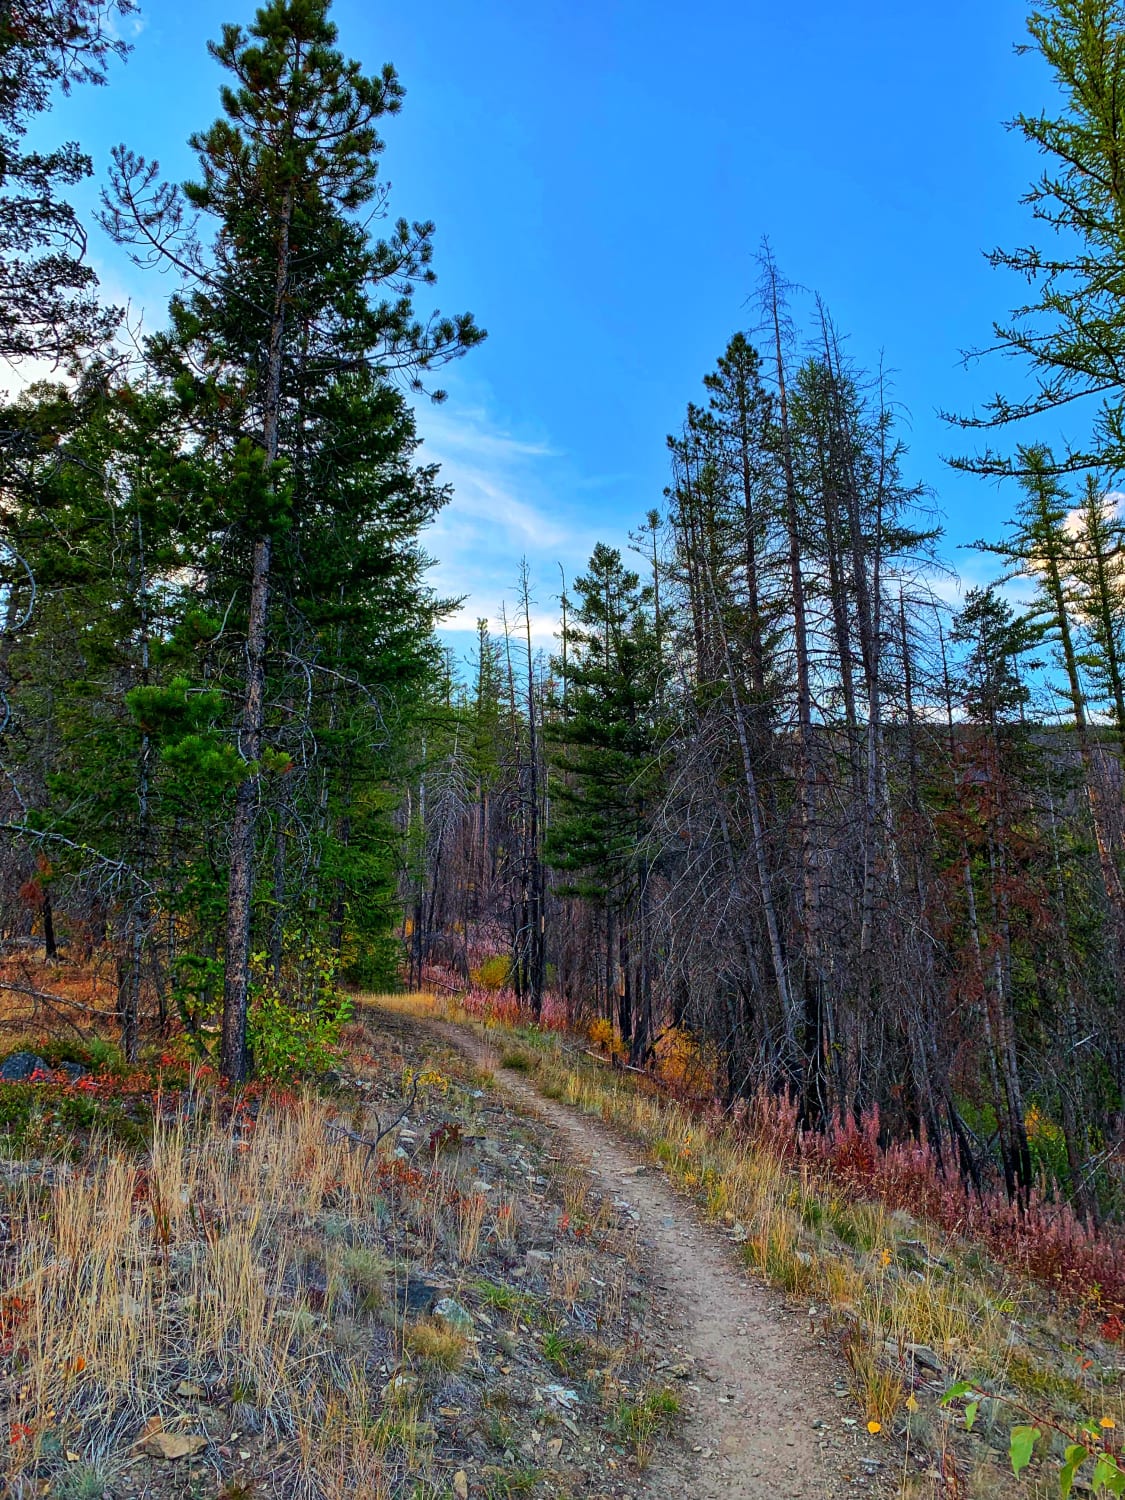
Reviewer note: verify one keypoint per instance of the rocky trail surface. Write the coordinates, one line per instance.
(767, 1414)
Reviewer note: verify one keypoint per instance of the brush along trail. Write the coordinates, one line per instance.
(766, 1413)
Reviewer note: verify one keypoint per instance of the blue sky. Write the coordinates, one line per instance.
(601, 175)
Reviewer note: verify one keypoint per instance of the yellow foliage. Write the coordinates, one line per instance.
(686, 1064)
(603, 1035)
(1040, 1127)
(494, 973)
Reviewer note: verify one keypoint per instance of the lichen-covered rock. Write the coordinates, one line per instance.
(20, 1066)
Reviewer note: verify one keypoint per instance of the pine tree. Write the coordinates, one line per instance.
(608, 753)
(48, 304)
(284, 305)
(100, 696)
(1071, 334)
(988, 795)
(740, 410)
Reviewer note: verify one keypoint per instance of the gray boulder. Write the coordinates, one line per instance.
(19, 1067)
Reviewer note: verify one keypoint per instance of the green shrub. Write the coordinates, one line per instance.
(295, 1021)
(44, 1116)
(495, 972)
(92, 1052)
(639, 1423)
(518, 1061)
(79, 1483)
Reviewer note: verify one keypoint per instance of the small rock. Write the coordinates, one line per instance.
(562, 1395)
(540, 1257)
(399, 1387)
(923, 1355)
(451, 1311)
(918, 1354)
(173, 1445)
(461, 1485)
(417, 1296)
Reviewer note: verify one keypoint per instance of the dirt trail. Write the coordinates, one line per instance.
(765, 1416)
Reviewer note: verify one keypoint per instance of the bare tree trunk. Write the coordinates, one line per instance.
(234, 1058)
(50, 942)
(533, 854)
(761, 861)
(815, 996)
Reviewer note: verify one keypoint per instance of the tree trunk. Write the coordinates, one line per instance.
(234, 1058)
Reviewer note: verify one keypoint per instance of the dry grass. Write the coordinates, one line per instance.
(471, 1213)
(242, 1276)
(193, 1273)
(76, 997)
(433, 1343)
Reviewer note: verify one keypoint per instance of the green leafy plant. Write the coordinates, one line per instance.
(296, 1018)
(640, 1422)
(1087, 1453)
(494, 973)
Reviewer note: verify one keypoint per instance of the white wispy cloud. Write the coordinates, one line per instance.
(513, 498)
(515, 493)
(125, 28)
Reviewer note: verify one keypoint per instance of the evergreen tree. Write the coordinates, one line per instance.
(121, 786)
(48, 305)
(1071, 334)
(608, 751)
(294, 299)
(740, 413)
(991, 776)
(1097, 568)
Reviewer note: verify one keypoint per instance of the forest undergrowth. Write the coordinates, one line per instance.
(225, 1292)
(929, 1288)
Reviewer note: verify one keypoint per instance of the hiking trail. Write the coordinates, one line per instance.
(766, 1415)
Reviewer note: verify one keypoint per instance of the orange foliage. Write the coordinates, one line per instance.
(78, 995)
(688, 1067)
(603, 1036)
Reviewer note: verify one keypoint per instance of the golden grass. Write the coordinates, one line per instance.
(242, 1279)
(434, 1343)
(36, 995)
(129, 1280)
